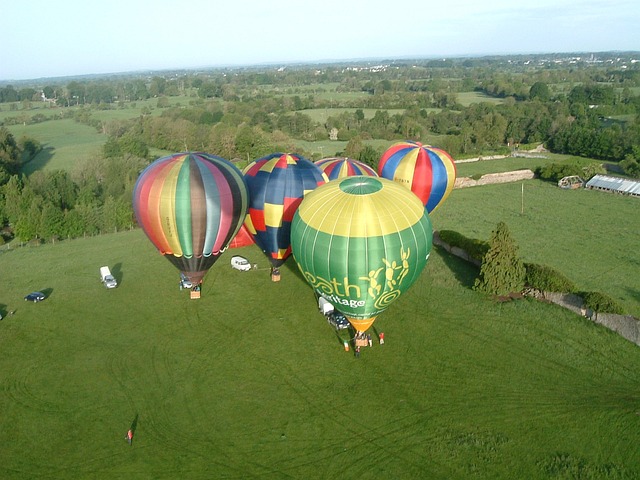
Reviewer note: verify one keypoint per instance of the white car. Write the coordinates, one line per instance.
(106, 278)
(240, 263)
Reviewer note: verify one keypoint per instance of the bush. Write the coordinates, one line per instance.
(502, 272)
(601, 303)
(476, 248)
(546, 279)
(555, 171)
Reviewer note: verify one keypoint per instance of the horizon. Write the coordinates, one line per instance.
(77, 39)
(274, 64)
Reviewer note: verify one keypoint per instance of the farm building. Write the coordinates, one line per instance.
(614, 184)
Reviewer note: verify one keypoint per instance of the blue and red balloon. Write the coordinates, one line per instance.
(429, 172)
(277, 184)
(341, 167)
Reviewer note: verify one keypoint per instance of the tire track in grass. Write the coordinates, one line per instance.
(20, 386)
(355, 435)
(165, 426)
(574, 395)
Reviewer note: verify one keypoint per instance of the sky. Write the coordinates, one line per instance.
(41, 38)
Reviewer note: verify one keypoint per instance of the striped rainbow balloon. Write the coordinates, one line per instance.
(191, 205)
(429, 172)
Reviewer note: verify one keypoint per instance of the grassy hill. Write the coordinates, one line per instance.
(250, 381)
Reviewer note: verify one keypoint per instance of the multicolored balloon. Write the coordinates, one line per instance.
(427, 171)
(277, 184)
(361, 242)
(340, 167)
(191, 205)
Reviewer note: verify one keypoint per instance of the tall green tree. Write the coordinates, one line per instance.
(9, 155)
(502, 271)
(540, 91)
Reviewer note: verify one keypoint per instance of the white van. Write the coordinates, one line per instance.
(325, 307)
(240, 263)
(106, 278)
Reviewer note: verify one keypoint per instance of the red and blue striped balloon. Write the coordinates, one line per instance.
(277, 184)
(429, 172)
(341, 167)
(191, 205)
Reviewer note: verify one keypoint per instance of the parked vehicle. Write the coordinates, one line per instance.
(338, 320)
(34, 297)
(240, 263)
(324, 306)
(185, 282)
(106, 278)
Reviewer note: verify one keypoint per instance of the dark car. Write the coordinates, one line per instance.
(185, 282)
(34, 297)
(338, 320)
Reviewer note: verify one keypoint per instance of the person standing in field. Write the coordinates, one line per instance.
(129, 437)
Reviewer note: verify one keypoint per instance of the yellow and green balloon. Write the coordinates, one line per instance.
(361, 242)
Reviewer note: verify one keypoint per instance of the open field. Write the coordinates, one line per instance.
(65, 143)
(250, 381)
(469, 98)
(590, 236)
(329, 148)
(320, 91)
(321, 115)
(469, 169)
(37, 108)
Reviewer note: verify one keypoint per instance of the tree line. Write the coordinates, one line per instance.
(253, 113)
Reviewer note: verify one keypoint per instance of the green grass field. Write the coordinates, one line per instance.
(250, 380)
(590, 236)
(329, 148)
(321, 115)
(469, 169)
(65, 142)
(469, 98)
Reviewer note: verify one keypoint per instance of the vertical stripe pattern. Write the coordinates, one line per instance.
(191, 205)
(429, 172)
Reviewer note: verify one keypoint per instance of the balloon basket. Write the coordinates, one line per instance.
(275, 274)
(361, 342)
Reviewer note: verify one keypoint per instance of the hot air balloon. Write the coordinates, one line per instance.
(340, 167)
(191, 205)
(242, 239)
(277, 184)
(360, 242)
(427, 171)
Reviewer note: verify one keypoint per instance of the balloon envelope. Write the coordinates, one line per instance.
(242, 239)
(340, 167)
(190, 205)
(277, 184)
(427, 171)
(360, 242)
